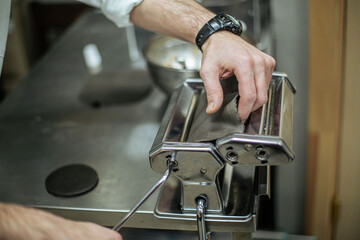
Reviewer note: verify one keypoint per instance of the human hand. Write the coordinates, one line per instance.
(22, 223)
(224, 55)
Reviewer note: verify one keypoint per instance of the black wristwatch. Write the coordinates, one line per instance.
(222, 21)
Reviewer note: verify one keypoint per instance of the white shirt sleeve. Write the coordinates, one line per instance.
(117, 11)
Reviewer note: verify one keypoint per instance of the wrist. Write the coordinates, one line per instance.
(205, 18)
(219, 23)
(217, 40)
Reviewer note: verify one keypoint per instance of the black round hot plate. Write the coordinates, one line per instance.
(71, 180)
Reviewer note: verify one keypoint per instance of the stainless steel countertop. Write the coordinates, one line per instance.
(45, 125)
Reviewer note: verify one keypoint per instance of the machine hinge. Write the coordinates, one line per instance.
(336, 208)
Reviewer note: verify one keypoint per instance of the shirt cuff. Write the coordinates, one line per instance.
(117, 11)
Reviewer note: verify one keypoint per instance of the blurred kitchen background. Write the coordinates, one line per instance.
(280, 28)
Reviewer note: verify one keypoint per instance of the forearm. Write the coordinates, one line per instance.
(178, 18)
(22, 223)
(13, 219)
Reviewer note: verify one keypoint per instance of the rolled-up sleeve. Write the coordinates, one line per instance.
(117, 11)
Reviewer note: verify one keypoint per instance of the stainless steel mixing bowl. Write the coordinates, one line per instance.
(171, 61)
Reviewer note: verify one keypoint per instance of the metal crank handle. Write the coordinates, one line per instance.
(200, 217)
(166, 175)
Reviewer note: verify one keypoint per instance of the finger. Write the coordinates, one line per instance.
(115, 236)
(270, 68)
(213, 89)
(94, 231)
(247, 90)
(226, 75)
(261, 83)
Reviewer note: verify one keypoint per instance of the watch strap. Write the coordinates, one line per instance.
(215, 24)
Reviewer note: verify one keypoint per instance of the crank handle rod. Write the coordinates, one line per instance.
(166, 175)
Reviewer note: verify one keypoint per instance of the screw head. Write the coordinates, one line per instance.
(203, 170)
(248, 147)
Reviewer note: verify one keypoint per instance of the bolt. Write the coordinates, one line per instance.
(262, 155)
(248, 147)
(168, 162)
(232, 157)
(203, 170)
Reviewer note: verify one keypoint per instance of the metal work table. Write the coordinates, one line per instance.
(45, 124)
